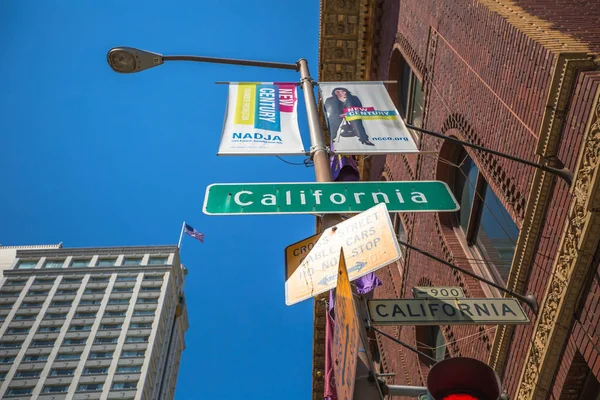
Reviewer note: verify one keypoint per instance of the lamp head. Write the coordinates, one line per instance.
(128, 60)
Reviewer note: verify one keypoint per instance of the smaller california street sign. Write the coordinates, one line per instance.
(504, 311)
(440, 292)
(327, 197)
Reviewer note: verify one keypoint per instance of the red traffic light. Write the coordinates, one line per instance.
(462, 378)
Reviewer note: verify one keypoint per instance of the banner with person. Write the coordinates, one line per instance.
(261, 119)
(362, 119)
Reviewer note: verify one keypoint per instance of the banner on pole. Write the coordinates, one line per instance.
(261, 119)
(362, 119)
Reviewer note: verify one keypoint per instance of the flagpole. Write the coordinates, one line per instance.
(181, 235)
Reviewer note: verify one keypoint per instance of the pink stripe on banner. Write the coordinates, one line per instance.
(287, 96)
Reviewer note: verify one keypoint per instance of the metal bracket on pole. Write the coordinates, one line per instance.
(314, 149)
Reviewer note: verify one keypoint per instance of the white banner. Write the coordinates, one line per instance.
(261, 118)
(362, 119)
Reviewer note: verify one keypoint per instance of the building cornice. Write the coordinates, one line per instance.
(65, 252)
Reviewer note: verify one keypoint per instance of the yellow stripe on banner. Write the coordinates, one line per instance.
(244, 106)
(355, 117)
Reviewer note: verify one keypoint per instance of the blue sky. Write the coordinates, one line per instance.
(93, 158)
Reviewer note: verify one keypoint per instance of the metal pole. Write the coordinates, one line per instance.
(233, 61)
(563, 173)
(319, 153)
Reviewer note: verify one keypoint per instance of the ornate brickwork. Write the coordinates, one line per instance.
(580, 238)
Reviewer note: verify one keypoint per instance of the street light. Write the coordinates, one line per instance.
(127, 60)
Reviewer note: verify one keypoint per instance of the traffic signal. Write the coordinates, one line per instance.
(462, 378)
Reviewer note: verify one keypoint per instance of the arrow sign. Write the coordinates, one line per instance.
(357, 267)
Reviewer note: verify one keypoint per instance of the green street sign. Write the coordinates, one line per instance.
(327, 198)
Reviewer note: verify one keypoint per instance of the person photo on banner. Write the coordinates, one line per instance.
(336, 106)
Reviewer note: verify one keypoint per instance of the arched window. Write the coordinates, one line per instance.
(488, 228)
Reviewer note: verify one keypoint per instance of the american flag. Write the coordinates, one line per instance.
(193, 233)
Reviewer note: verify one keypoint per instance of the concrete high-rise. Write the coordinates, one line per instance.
(91, 323)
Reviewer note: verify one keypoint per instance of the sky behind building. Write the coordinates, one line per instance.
(94, 158)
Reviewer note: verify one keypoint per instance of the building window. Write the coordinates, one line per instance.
(106, 262)
(28, 374)
(151, 300)
(136, 339)
(20, 391)
(95, 370)
(139, 325)
(80, 328)
(25, 317)
(153, 277)
(73, 342)
(54, 264)
(134, 353)
(61, 303)
(26, 264)
(430, 340)
(150, 289)
(17, 330)
(9, 293)
(88, 302)
(122, 278)
(2, 376)
(10, 345)
(118, 301)
(7, 360)
(9, 305)
(105, 327)
(85, 315)
(101, 354)
(80, 263)
(56, 316)
(132, 261)
(129, 369)
(90, 387)
(114, 314)
(106, 340)
(75, 279)
(68, 356)
(124, 385)
(46, 329)
(122, 290)
(56, 389)
(94, 291)
(139, 313)
(488, 228)
(35, 357)
(37, 292)
(14, 282)
(43, 281)
(158, 260)
(29, 305)
(62, 372)
(99, 279)
(66, 291)
(42, 343)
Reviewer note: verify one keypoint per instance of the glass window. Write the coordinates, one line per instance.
(7, 360)
(80, 263)
(49, 329)
(151, 300)
(158, 260)
(2, 376)
(118, 301)
(133, 353)
(106, 340)
(54, 264)
(138, 313)
(132, 261)
(13, 282)
(95, 370)
(80, 328)
(89, 302)
(74, 279)
(19, 391)
(124, 385)
(17, 330)
(66, 291)
(136, 339)
(137, 325)
(73, 341)
(56, 316)
(123, 290)
(26, 264)
(62, 372)
(25, 317)
(10, 305)
(56, 389)
(2, 317)
(94, 291)
(61, 303)
(153, 277)
(85, 315)
(105, 327)
(150, 288)
(106, 262)
(68, 356)
(101, 354)
(9, 293)
(129, 369)
(30, 305)
(38, 292)
(28, 374)
(114, 314)
(488, 228)
(42, 343)
(35, 357)
(10, 345)
(99, 279)
(90, 387)
(122, 278)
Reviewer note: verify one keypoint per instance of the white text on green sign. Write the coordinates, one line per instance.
(446, 312)
(329, 197)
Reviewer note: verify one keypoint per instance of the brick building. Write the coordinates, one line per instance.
(521, 77)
